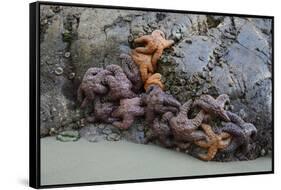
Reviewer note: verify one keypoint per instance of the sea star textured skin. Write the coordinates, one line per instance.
(154, 45)
(128, 110)
(132, 71)
(158, 102)
(242, 133)
(161, 131)
(92, 85)
(213, 143)
(154, 79)
(102, 112)
(144, 63)
(249, 129)
(213, 106)
(119, 85)
(185, 129)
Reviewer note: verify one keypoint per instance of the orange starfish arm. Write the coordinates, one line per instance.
(208, 130)
(144, 72)
(224, 135)
(202, 143)
(212, 152)
(168, 43)
(150, 68)
(156, 56)
(145, 50)
(224, 143)
(154, 79)
(143, 39)
(156, 82)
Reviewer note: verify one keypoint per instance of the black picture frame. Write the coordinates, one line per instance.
(34, 98)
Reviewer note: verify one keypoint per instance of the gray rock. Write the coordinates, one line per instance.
(90, 133)
(113, 137)
(107, 131)
(195, 55)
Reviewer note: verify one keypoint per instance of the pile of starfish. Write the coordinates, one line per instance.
(118, 95)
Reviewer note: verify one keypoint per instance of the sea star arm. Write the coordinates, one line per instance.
(238, 137)
(128, 72)
(222, 99)
(126, 123)
(154, 79)
(208, 130)
(235, 118)
(89, 96)
(250, 130)
(233, 129)
(144, 72)
(101, 89)
(129, 67)
(149, 116)
(143, 39)
(197, 136)
(225, 135)
(202, 104)
(116, 113)
(233, 145)
(170, 100)
(185, 107)
(85, 102)
(212, 151)
(164, 109)
(168, 43)
(117, 71)
(139, 111)
(150, 68)
(224, 143)
(202, 143)
(156, 56)
(167, 116)
(149, 48)
(197, 121)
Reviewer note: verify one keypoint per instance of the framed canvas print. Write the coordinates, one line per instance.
(120, 94)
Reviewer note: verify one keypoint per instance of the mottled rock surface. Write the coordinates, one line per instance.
(211, 54)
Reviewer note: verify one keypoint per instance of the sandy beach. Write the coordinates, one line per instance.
(82, 161)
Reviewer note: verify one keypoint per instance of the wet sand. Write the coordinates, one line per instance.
(82, 162)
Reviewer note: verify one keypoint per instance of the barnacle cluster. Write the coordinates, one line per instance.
(120, 94)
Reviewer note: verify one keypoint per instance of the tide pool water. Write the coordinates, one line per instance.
(83, 161)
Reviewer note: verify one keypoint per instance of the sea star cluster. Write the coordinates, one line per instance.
(146, 56)
(118, 95)
(243, 133)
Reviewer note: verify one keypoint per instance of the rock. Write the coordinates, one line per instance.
(67, 136)
(113, 137)
(195, 55)
(89, 133)
(107, 131)
(101, 125)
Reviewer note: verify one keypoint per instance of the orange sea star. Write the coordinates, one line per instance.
(154, 79)
(213, 143)
(154, 45)
(144, 63)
